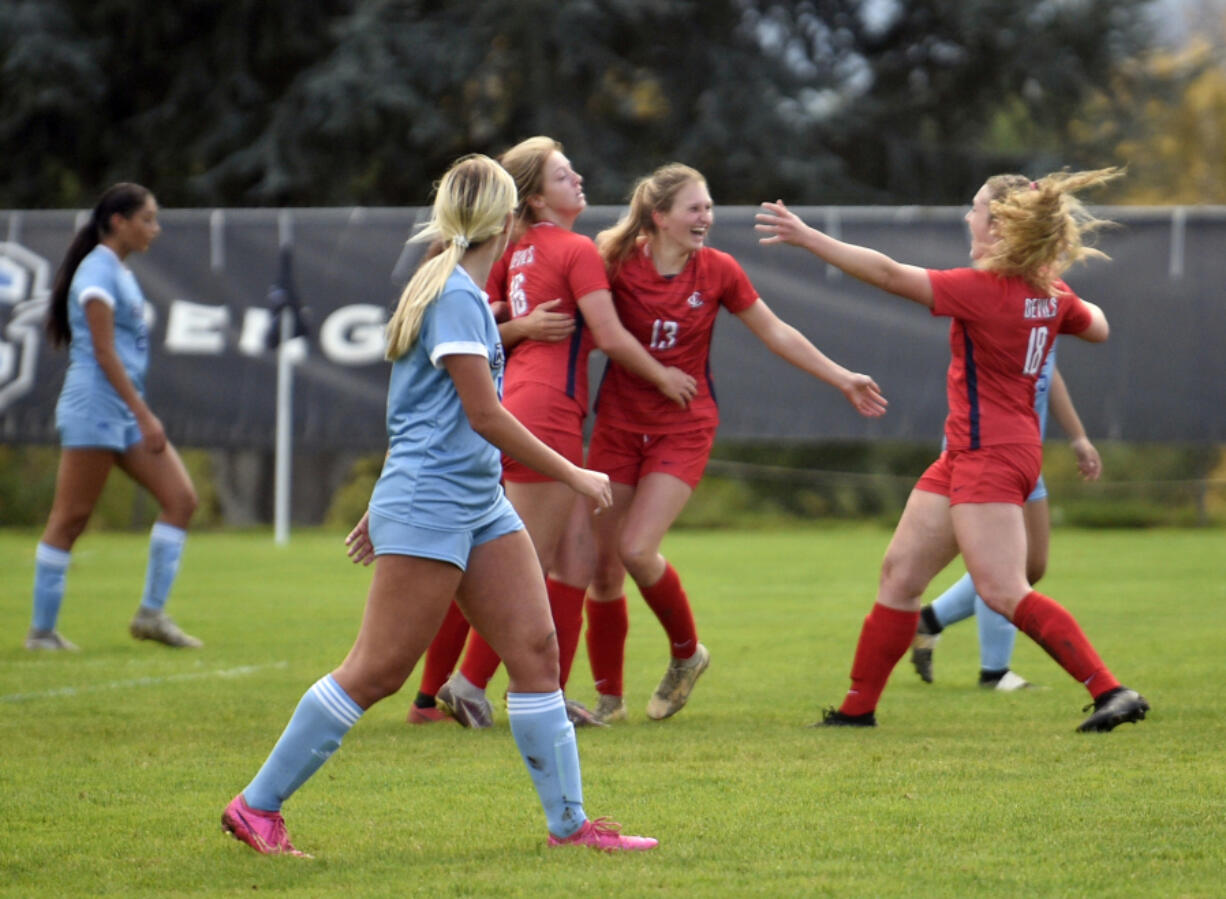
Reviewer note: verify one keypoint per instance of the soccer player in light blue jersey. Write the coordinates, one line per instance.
(98, 311)
(439, 526)
(996, 633)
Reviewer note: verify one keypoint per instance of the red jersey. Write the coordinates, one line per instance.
(674, 318)
(999, 337)
(549, 263)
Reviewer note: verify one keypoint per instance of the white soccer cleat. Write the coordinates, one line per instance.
(678, 681)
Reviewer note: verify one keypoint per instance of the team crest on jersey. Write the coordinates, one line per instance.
(695, 299)
(25, 286)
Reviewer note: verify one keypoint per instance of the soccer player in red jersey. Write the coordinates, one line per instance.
(1006, 309)
(668, 287)
(552, 286)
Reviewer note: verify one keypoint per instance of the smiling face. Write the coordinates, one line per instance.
(684, 226)
(561, 197)
(979, 223)
(134, 233)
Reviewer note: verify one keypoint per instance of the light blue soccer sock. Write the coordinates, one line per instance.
(956, 603)
(996, 638)
(50, 573)
(165, 549)
(546, 740)
(323, 717)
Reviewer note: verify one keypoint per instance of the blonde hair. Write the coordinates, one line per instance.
(655, 193)
(471, 204)
(526, 163)
(1041, 226)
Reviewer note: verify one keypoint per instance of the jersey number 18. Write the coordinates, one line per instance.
(1034, 351)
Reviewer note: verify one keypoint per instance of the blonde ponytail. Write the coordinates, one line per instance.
(471, 205)
(1041, 226)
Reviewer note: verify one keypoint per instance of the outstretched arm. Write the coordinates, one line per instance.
(789, 344)
(781, 225)
(1089, 463)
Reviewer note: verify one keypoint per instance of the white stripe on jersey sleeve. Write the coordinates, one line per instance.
(458, 348)
(95, 293)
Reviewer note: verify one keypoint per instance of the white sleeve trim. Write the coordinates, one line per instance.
(95, 293)
(458, 348)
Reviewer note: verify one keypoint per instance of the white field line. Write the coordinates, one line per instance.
(59, 692)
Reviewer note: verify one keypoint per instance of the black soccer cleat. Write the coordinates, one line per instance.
(1114, 708)
(921, 656)
(927, 632)
(834, 718)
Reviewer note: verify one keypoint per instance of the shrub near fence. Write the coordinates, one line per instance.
(746, 485)
(1146, 486)
(27, 487)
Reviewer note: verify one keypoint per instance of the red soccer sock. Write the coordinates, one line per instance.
(566, 603)
(480, 661)
(1049, 624)
(672, 607)
(444, 650)
(607, 626)
(886, 635)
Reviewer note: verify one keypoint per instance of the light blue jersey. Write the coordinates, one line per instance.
(440, 473)
(87, 394)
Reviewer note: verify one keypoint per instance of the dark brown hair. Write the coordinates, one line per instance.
(124, 198)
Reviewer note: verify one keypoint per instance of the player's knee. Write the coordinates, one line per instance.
(638, 557)
(899, 577)
(182, 505)
(996, 603)
(1000, 596)
(603, 582)
(375, 682)
(67, 525)
(535, 662)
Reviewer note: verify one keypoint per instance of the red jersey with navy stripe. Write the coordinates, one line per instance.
(674, 318)
(549, 263)
(1000, 335)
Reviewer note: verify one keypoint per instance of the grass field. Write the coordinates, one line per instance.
(115, 762)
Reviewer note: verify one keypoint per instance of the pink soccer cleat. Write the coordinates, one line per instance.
(262, 831)
(605, 835)
(419, 715)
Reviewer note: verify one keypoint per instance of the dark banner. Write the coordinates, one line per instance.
(213, 378)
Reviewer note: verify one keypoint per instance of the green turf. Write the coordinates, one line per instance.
(115, 763)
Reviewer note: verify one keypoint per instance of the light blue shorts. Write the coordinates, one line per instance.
(1039, 492)
(397, 538)
(98, 432)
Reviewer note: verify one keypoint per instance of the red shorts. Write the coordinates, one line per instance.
(629, 456)
(553, 418)
(993, 474)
